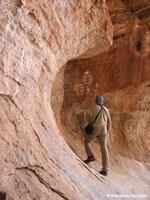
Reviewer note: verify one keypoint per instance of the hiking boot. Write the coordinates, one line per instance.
(104, 173)
(89, 159)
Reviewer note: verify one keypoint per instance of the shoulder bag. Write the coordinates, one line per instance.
(89, 128)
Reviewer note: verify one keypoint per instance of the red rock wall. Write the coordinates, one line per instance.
(122, 75)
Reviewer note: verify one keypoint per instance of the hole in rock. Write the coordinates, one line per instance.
(138, 45)
(2, 196)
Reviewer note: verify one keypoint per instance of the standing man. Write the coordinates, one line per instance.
(101, 129)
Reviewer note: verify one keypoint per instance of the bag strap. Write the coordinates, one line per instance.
(105, 111)
(97, 115)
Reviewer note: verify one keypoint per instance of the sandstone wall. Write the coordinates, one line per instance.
(122, 75)
(37, 38)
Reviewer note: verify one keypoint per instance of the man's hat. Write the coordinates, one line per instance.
(99, 100)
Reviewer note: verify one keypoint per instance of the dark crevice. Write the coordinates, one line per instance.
(12, 100)
(37, 137)
(95, 174)
(15, 126)
(14, 80)
(5, 95)
(138, 45)
(43, 182)
(116, 37)
(44, 126)
(2, 196)
(10, 97)
(33, 16)
(4, 140)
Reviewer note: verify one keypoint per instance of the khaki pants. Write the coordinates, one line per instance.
(101, 133)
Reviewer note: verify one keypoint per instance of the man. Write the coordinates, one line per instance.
(101, 126)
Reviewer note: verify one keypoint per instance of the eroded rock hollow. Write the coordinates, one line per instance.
(55, 56)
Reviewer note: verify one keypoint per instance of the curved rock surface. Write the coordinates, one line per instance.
(42, 46)
(122, 76)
